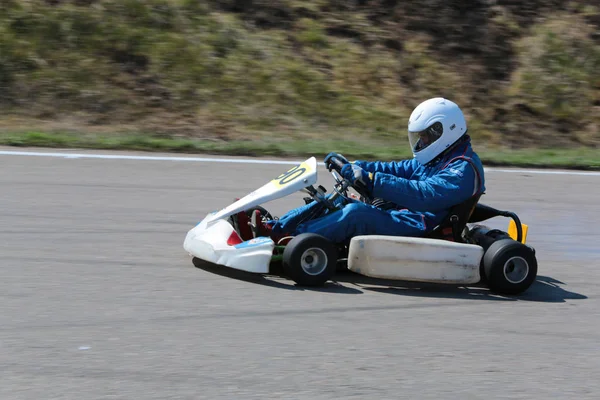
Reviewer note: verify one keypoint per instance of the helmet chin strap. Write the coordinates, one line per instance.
(464, 138)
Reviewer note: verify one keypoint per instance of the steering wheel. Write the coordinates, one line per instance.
(343, 184)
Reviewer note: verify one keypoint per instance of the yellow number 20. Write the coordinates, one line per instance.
(290, 175)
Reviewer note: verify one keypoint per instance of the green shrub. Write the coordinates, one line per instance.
(238, 69)
(311, 33)
(558, 74)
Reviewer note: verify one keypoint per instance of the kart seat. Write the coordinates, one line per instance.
(451, 228)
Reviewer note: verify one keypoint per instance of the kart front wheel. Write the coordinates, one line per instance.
(309, 259)
(510, 267)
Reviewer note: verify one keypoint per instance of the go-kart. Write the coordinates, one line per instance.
(458, 251)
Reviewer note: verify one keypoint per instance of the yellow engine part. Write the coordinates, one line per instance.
(512, 231)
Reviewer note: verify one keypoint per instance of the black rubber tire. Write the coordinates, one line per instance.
(295, 252)
(520, 256)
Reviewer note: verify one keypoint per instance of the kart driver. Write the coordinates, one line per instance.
(418, 193)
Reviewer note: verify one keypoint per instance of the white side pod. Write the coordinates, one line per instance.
(415, 259)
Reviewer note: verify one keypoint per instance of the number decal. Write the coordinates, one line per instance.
(291, 175)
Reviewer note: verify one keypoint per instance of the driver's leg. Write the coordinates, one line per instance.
(363, 219)
(288, 222)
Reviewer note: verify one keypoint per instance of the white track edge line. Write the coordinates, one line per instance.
(251, 161)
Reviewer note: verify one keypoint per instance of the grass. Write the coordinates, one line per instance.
(575, 158)
(285, 76)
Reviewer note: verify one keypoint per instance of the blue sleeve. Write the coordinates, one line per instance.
(402, 169)
(450, 186)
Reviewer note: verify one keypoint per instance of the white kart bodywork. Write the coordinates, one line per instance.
(293, 180)
(411, 259)
(209, 239)
(415, 259)
(209, 243)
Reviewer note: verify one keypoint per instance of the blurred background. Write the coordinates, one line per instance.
(98, 298)
(291, 77)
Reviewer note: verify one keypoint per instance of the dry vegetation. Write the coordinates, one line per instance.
(526, 73)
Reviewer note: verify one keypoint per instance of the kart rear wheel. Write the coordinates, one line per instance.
(309, 259)
(510, 267)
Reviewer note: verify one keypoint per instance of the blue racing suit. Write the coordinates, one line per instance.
(422, 195)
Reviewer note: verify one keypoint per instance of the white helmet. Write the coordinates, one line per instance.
(434, 126)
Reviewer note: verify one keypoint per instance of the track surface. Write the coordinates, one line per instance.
(99, 300)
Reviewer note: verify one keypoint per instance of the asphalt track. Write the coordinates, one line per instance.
(98, 299)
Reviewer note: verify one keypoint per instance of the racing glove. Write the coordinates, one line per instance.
(330, 156)
(358, 176)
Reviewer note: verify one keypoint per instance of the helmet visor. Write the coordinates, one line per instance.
(423, 139)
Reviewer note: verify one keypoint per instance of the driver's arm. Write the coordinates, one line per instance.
(451, 186)
(401, 169)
